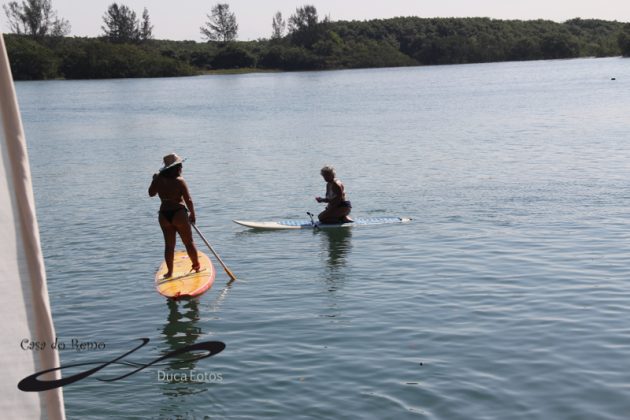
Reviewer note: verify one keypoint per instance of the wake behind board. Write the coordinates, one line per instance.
(307, 224)
(185, 282)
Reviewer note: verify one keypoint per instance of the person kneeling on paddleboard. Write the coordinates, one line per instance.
(176, 211)
(338, 207)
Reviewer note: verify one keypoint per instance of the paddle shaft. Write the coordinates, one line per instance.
(227, 270)
(315, 227)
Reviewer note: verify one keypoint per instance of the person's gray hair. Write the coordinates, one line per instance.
(328, 169)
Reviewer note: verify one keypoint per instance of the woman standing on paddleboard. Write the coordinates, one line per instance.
(176, 211)
(338, 207)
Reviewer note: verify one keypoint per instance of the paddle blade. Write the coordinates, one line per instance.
(229, 273)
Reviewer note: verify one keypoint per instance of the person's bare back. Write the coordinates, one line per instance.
(170, 190)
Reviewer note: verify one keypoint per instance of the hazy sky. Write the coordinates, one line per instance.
(180, 20)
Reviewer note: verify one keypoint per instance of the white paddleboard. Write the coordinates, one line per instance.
(307, 224)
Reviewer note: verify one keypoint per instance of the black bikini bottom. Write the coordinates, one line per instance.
(170, 213)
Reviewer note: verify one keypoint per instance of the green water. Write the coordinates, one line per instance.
(506, 297)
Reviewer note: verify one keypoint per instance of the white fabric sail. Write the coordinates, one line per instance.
(24, 305)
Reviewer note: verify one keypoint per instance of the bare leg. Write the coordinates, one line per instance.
(182, 224)
(169, 244)
(336, 215)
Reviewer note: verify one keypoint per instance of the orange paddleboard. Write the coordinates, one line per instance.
(185, 282)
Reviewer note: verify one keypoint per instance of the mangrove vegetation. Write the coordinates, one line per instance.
(303, 42)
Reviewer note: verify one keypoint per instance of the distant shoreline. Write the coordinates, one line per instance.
(395, 42)
(247, 70)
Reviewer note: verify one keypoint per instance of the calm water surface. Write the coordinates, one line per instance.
(507, 297)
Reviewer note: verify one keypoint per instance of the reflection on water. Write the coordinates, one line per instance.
(180, 330)
(335, 245)
(215, 306)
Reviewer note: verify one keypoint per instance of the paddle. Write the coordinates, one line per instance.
(227, 270)
(315, 226)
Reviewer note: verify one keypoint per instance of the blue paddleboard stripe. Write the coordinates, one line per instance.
(358, 221)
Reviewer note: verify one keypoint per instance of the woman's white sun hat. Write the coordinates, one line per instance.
(171, 160)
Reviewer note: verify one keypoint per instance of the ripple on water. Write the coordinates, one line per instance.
(506, 297)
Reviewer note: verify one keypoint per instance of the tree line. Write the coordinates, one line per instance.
(40, 47)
